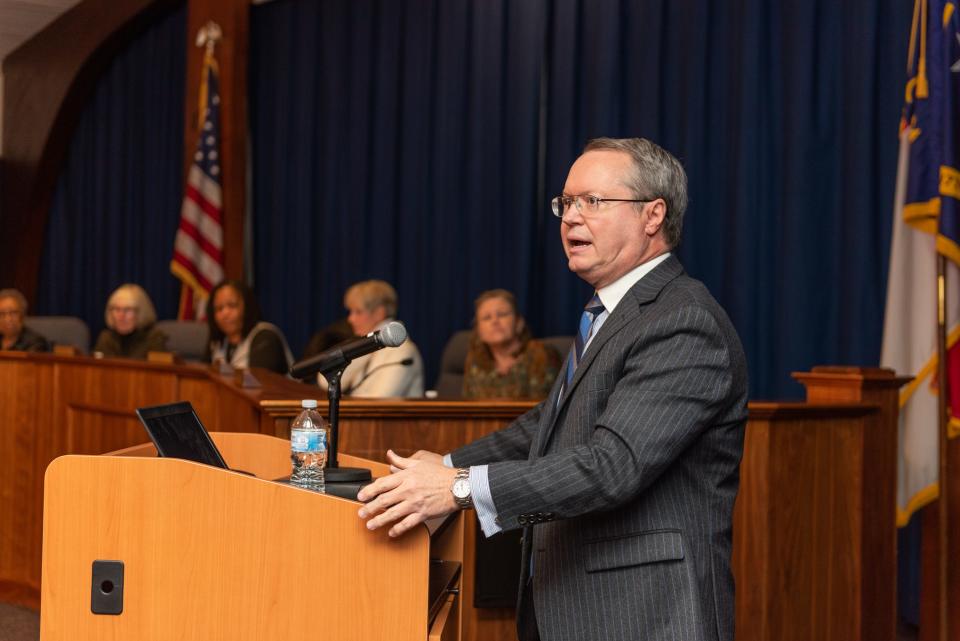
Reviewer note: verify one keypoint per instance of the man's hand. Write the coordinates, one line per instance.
(417, 490)
(424, 455)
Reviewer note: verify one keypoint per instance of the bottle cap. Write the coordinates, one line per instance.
(309, 403)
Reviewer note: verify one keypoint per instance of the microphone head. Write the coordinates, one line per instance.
(393, 334)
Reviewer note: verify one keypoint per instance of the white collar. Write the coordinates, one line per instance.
(612, 294)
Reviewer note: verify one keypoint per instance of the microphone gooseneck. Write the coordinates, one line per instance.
(407, 362)
(330, 364)
(340, 355)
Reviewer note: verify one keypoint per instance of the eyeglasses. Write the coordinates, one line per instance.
(586, 203)
(123, 310)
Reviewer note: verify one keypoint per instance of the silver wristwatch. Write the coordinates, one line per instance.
(461, 488)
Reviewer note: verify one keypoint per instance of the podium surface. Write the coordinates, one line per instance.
(214, 554)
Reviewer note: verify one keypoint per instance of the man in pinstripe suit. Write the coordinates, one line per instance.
(624, 478)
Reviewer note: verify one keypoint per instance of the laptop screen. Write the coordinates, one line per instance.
(177, 432)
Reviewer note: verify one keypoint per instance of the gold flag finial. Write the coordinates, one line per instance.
(209, 35)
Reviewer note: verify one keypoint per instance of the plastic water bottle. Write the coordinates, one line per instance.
(308, 448)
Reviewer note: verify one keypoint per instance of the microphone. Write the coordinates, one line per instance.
(339, 356)
(407, 362)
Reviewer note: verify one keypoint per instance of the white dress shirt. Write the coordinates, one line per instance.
(610, 296)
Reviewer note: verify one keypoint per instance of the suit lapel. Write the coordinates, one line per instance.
(550, 407)
(639, 296)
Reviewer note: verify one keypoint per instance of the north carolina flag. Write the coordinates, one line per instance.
(198, 248)
(926, 221)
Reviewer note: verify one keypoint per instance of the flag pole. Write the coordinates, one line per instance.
(197, 251)
(943, 519)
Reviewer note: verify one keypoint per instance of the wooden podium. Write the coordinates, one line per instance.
(211, 554)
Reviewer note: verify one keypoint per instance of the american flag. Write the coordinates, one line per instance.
(198, 248)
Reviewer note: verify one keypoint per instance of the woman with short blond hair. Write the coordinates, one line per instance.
(391, 372)
(131, 319)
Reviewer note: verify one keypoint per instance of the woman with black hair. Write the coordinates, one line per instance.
(238, 336)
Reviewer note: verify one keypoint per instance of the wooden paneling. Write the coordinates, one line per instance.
(797, 527)
(54, 405)
(877, 502)
(201, 393)
(20, 441)
(369, 428)
(217, 555)
(810, 539)
(813, 528)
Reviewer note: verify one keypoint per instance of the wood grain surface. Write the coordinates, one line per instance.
(814, 535)
(213, 554)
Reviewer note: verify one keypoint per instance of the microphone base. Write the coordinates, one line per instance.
(346, 475)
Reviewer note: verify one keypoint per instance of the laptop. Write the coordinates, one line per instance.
(176, 432)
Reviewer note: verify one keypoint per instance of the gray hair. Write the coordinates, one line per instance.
(146, 314)
(17, 296)
(657, 174)
(373, 294)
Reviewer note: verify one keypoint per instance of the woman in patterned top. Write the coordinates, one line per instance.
(503, 360)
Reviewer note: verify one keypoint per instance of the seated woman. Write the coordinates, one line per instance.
(238, 336)
(326, 337)
(504, 361)
(130, 331)
(14, 335)
(389, 372)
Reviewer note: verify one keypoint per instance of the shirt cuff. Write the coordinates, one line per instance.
(483, 500)
(448, 460)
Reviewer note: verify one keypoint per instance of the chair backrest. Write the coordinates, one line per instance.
(187, 339)
(450, 381)
(560, 343)
(61, 330)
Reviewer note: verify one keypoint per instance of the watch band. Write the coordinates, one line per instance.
(463, 502)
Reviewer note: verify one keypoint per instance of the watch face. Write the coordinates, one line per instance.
(461, 488)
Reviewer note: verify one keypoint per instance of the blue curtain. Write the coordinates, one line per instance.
(420, 142)
(395, 140)
(116, 205)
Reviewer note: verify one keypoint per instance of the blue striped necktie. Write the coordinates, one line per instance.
(587, 319)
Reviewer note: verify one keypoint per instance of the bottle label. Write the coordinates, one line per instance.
(308, 440)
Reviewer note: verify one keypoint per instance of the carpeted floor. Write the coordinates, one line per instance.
(18, 624)
(23, 624)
